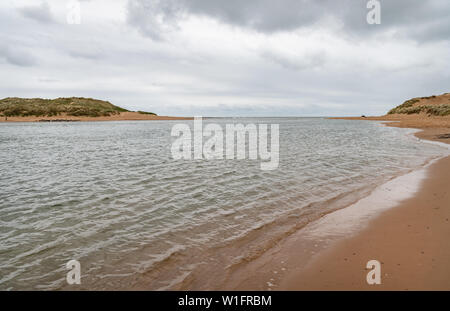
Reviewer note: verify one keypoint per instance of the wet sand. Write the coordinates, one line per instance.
(123, 116)
(410, 240)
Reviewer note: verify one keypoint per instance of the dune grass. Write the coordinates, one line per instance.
(72, 106)
(434, 110)
(405, 107)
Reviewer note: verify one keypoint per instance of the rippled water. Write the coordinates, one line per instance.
(109, 195)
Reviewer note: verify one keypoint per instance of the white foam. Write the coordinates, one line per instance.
(438, 143)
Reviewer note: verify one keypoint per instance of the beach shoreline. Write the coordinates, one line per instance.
(280, 266)
(122, 116)
(409, 239)
(280, 256)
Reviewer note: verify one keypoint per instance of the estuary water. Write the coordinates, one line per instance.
(110, 195)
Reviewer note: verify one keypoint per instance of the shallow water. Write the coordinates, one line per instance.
(110, 195)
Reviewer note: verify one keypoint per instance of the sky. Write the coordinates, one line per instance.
(227, 58)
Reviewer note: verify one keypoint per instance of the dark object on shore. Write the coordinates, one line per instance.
(363, 116)
(58, 120)
(444, 136)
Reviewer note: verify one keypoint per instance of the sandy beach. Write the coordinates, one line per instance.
(123, 116)
(410, 240)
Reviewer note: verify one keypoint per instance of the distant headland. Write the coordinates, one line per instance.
(14, 109)
(420, 112)
(431, 113)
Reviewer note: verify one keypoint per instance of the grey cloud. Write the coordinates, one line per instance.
(17, 57)
(421, 20)
(293, 62)
(270, 76)
(154, 18)
(40, 13)
(86, 54)
(264, 15)
(47, 80)
(433, 30)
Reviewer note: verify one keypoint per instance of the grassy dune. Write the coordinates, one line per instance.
(72, 106)
(432, 105)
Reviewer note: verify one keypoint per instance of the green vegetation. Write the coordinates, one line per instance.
(73, 106)
(405, 107)
(145, 112)
(434, 110)
(440, 110)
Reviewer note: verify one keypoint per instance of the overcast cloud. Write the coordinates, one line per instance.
(217, 58)
(40, 12)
